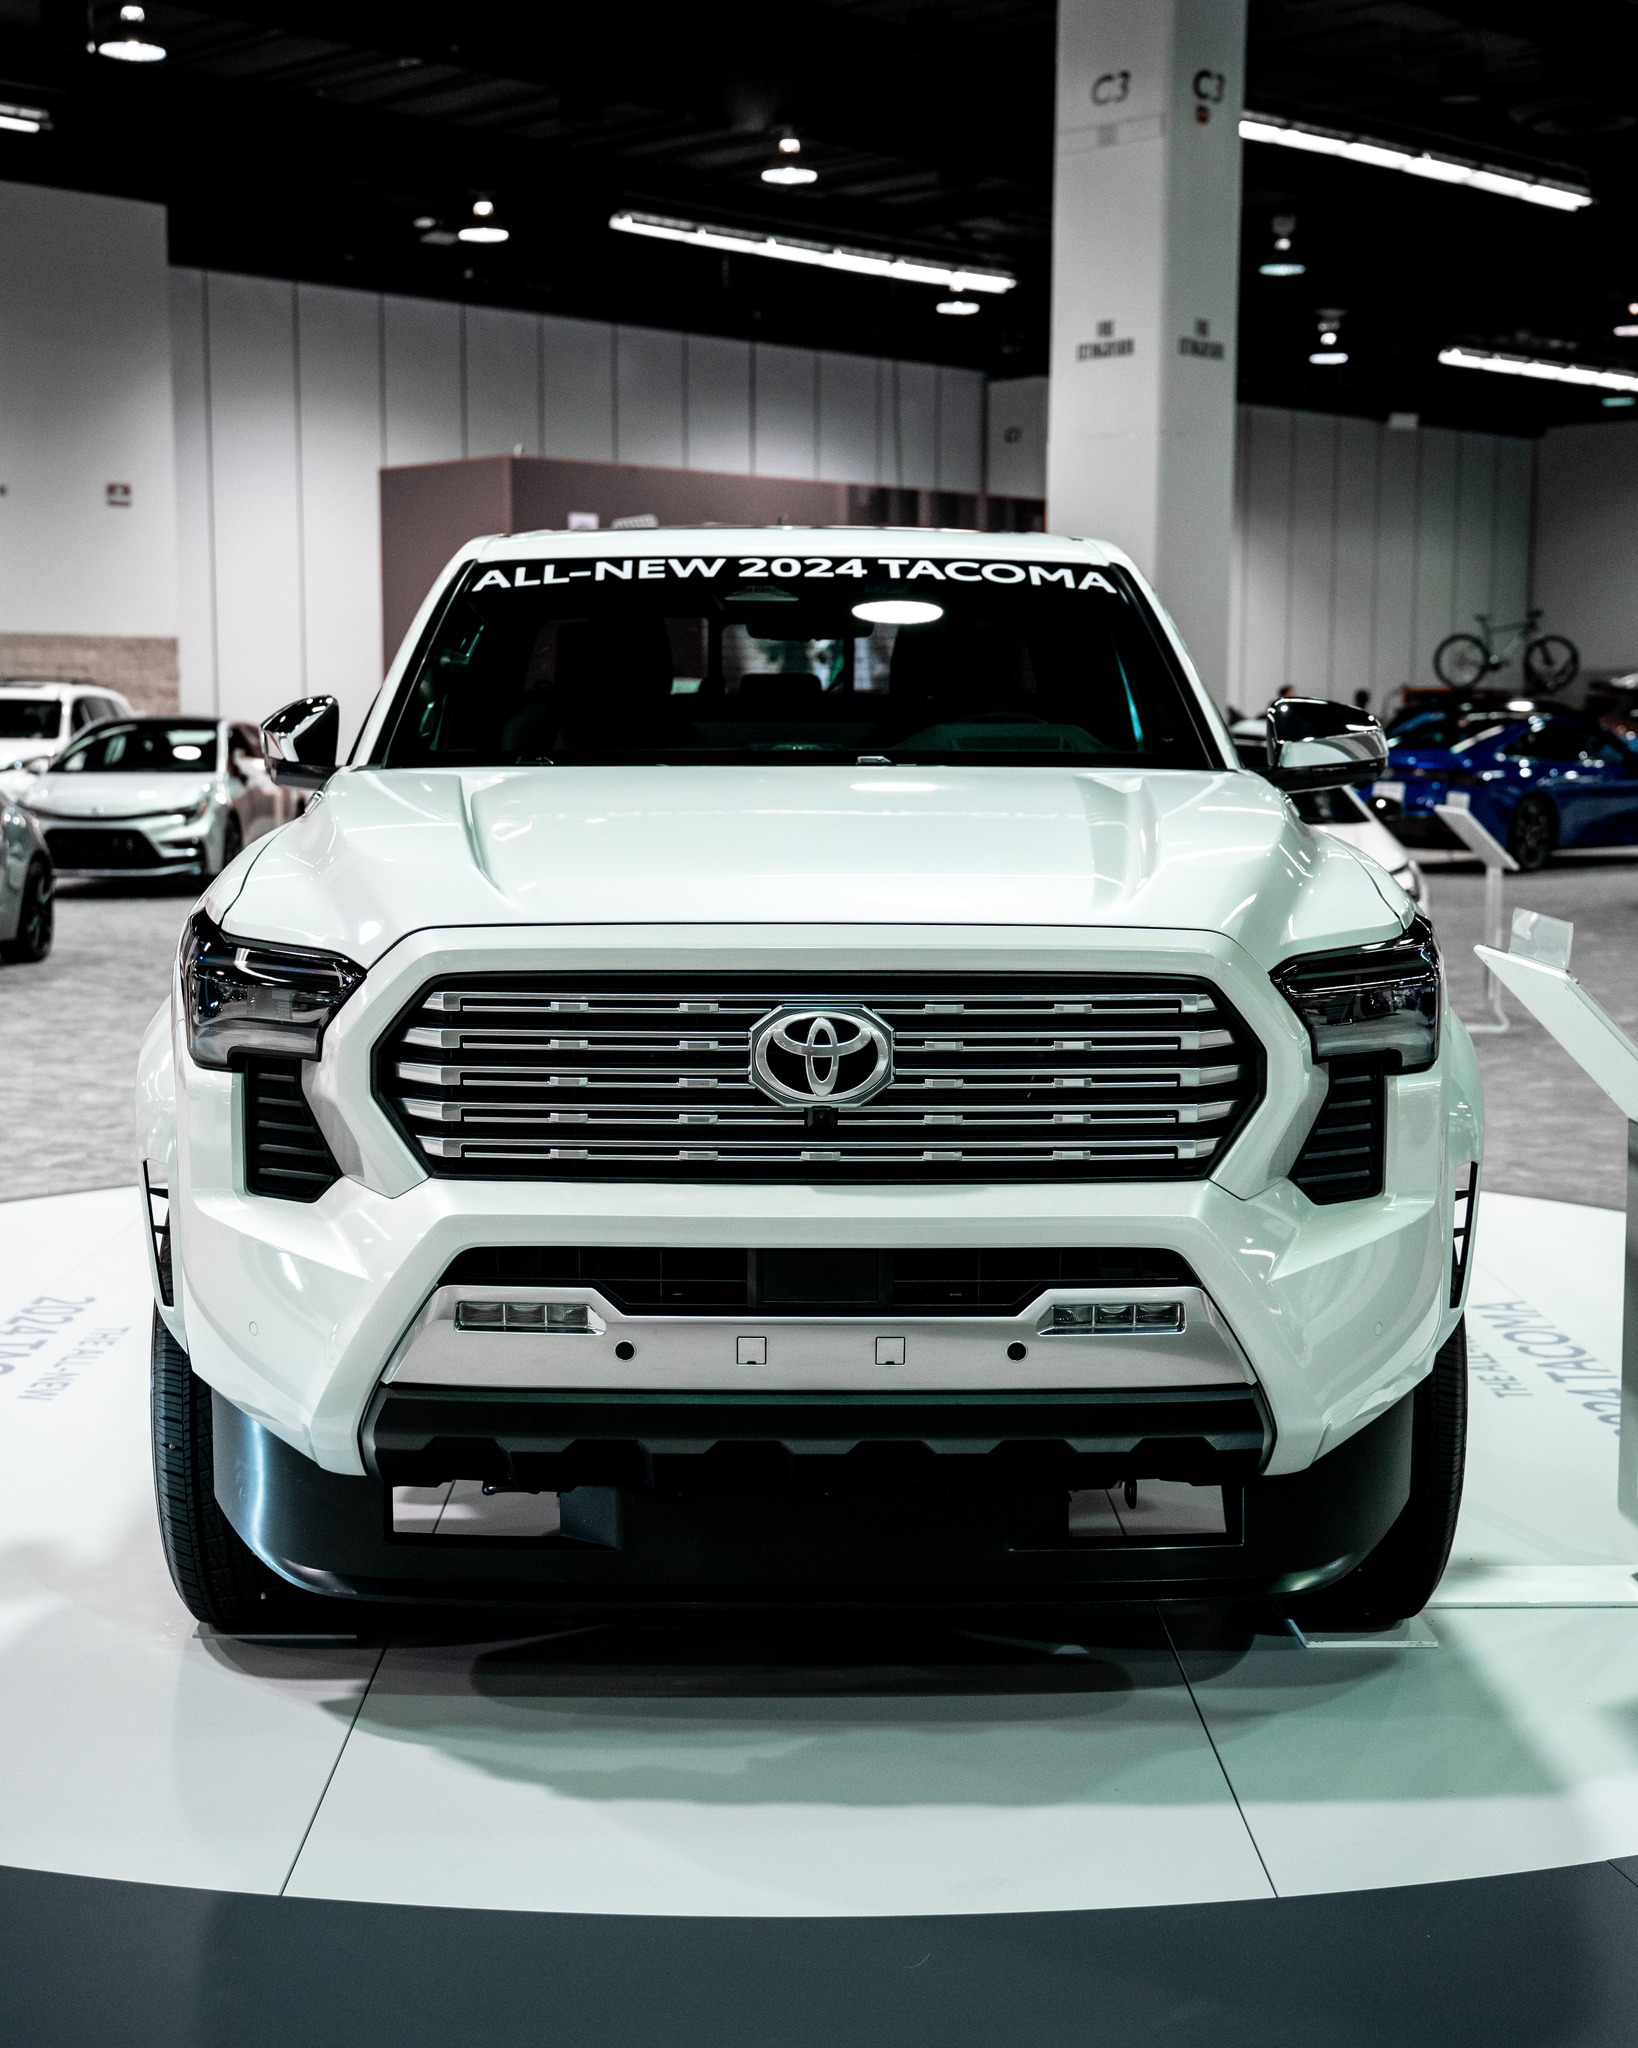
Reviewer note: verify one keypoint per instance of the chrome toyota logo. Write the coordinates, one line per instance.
(825, 1058)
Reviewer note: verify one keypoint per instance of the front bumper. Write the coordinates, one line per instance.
(117, 849)
(755, 1538)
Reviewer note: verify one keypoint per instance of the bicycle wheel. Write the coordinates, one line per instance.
(1552, 663)
(1461, 660)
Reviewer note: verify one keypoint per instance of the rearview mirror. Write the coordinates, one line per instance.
(1313, 744)
(302, 742)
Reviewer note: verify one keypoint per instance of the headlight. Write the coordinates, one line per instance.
(242, 997)
(1378, 1003)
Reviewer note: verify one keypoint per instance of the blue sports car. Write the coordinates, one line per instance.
(1541, 780)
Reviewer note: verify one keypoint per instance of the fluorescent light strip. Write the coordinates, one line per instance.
(826, 256)
(1532, 366)
(23, 120)
(1386, 156)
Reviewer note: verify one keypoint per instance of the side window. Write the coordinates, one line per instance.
(85, 713)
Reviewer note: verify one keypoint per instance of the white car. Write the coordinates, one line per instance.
(156, 797)
(27, 888)
(795, 1066)
(1343, 812)
(39, 717)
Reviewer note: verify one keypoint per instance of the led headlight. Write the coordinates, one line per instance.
(1374, 1002)
(243, 997)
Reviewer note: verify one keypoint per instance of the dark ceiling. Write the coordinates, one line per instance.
(304, 138)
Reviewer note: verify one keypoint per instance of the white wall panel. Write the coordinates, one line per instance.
(424, 399)
(195, 528)
(916, 395)
(340, 366)
(849, 434)
(1312, 553)
(1354, 585)
(502, 382)
(256, 490)
(960, 430)
(717, 387)
(1357, 546)
(577, 386)
(86, 400)
(1516, 583)
(648, 411)
(785, 411)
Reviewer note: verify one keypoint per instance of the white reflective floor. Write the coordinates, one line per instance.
(649, 1774)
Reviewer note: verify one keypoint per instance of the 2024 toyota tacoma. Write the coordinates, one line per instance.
(796, 1066)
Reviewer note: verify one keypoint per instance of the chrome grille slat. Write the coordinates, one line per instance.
(1114, 1077)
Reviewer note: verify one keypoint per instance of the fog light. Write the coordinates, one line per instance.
(1113, 1318)
(1115, 1315)
(544, 1318)
(1160, 1315)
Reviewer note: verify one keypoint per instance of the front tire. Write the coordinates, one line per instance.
(1461, 661)
(220, 1578)
(1397, 1579)
(1533, 834)
(36, 920)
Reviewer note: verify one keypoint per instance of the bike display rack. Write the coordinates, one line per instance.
(1536, 969)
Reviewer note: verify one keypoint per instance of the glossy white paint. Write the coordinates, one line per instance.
(293, 1311)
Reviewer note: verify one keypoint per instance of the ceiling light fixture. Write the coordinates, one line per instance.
(1388, 156)
(823, 255)
(789, 173)
(1533, 366)
(1618, 401)
(133, 46)
(1626, 330)
(958, 308)
(1282, 263)
(483, 226)
(1329, 356)
(23, 120)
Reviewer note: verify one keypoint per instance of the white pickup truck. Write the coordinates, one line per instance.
(795, 1066)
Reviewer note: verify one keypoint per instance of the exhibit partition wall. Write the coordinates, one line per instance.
(291, 399)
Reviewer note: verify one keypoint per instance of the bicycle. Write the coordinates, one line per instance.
(1551, 663)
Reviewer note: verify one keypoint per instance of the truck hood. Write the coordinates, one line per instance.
(384, 853)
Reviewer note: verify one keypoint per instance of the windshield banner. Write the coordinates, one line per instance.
(726, 569)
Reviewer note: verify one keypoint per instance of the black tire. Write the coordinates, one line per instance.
(1461, 661)
(1533, 834)
(36, 921)
(1552, 663)
(220, 1578)
(233, 842)
(1398, 1577)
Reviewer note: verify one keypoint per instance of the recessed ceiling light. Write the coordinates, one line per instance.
(1282, 269)
(823, 255)
(1619, 401)
(789, 145)
(424, 220)
(1388, 156)
(1534, 366)
(1329, 358)
(132, 47)
(1627, 330)
(959, 308)
(788, 174)
(483, 227)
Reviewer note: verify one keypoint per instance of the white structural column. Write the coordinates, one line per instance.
(1145, 244)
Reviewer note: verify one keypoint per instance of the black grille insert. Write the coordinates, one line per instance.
(95, 846)
(685, 1281)
(1341, 1160)
(285, 1152)
(1040, 1077)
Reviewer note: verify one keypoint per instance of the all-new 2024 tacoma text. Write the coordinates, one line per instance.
(796, 1066)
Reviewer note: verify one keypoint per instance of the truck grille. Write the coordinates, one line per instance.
(1091, 1077)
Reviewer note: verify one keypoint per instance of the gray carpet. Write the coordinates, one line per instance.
(70, 1029)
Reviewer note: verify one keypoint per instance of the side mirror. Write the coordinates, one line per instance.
(1313, 744)
(302, 742)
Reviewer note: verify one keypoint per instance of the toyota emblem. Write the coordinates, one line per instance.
(827, 1058)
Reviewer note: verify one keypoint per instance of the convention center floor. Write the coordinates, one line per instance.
(914, 1774)
(809, 1833)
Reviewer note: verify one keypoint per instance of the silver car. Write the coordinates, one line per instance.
(156, 797)
(26, 887)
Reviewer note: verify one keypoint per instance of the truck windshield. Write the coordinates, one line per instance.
(30, 718)
(742, 658)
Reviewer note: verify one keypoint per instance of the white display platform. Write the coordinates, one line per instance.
(1502, 1735)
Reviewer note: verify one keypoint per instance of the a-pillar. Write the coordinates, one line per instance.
(1145, 273)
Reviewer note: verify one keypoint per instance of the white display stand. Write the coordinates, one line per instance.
(1497, 862)
(1536, 969)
